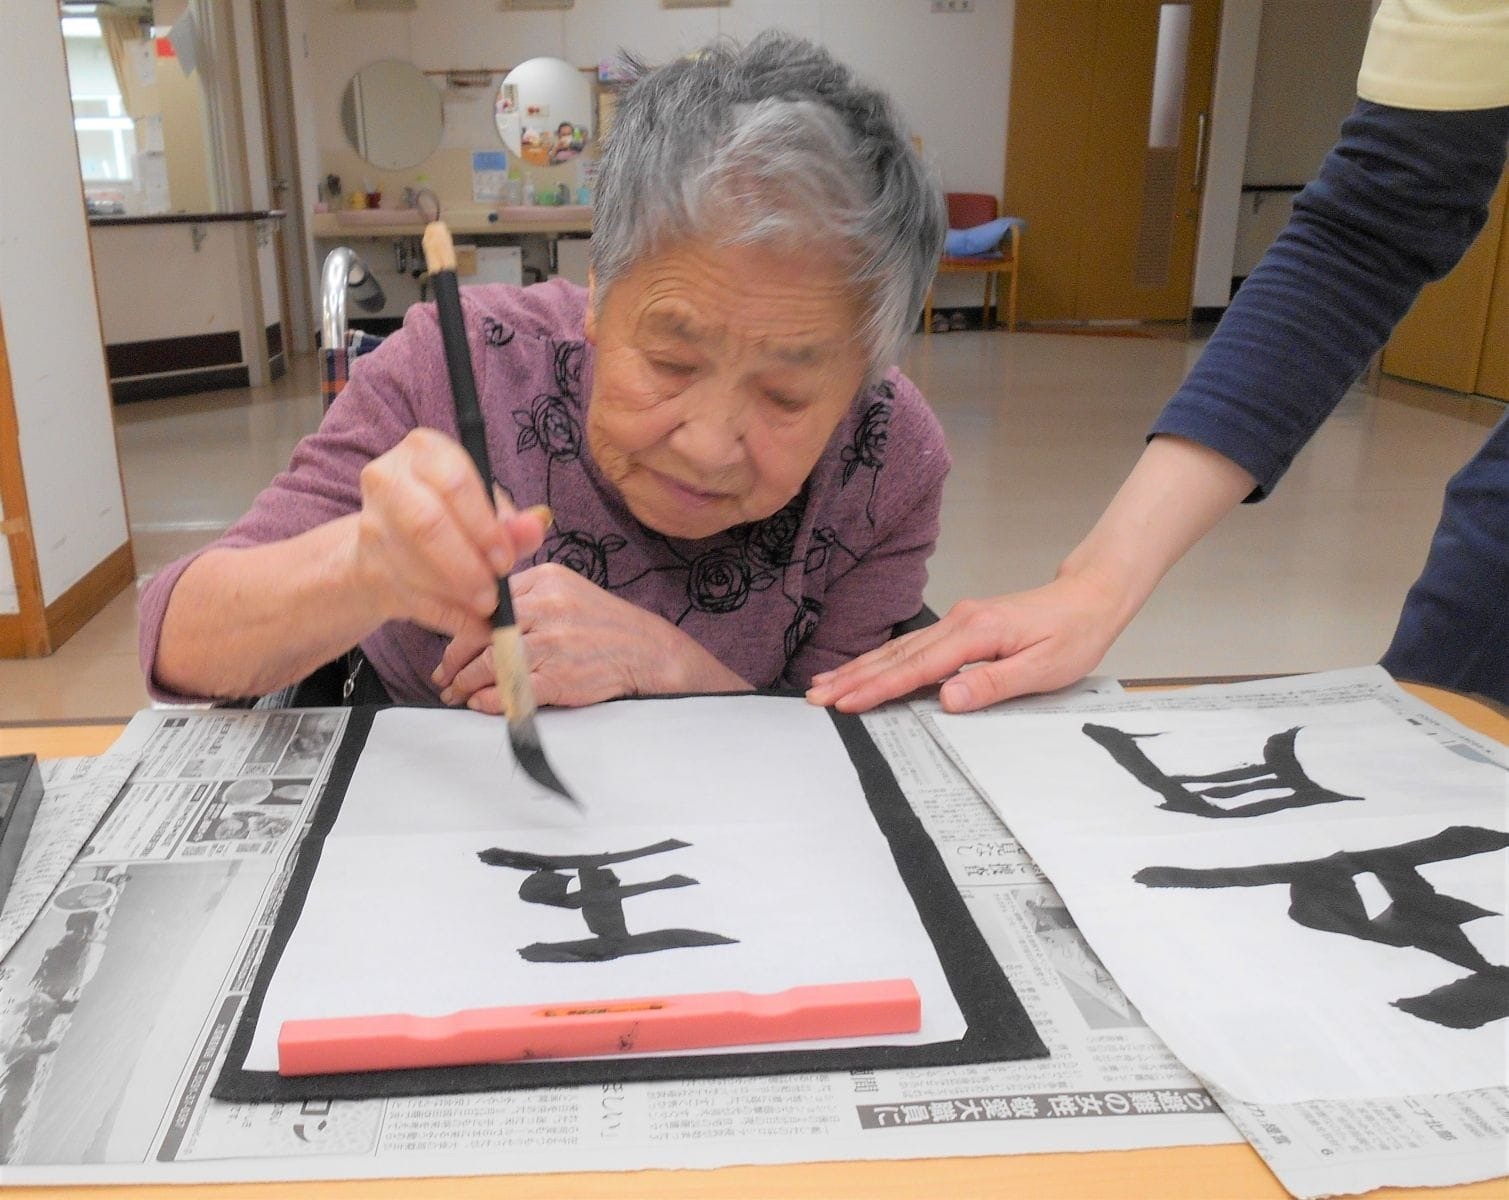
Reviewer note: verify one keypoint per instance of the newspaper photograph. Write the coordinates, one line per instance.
(78, 793)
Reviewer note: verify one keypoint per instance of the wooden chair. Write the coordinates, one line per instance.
(965, 211)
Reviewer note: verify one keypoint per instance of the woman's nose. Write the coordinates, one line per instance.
(712, 436)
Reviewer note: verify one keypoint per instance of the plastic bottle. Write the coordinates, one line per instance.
(529, 197)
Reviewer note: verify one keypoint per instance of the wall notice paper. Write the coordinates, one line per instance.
(489, 176)
(1301, 888)
(448, 880)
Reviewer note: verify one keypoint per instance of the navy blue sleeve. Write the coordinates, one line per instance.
(1398, 200)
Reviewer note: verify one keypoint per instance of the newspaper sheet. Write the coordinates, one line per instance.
(116, 1006)
(77, 793)
(1346, 1146)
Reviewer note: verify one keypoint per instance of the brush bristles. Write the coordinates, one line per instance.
(527, 751)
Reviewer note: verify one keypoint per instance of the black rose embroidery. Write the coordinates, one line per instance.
(495, 333)
(803, 623)
(817, 554)
(568, 368)
(720, 581)
(584, 554)
(868, 447)
(773, 540)
(549, 424)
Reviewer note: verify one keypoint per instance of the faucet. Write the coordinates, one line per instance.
(425, 200)
(428, 204)
(344, 272)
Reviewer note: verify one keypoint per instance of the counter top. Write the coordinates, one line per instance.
(266, 214)
(407, 222)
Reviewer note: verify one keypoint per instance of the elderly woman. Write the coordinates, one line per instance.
(744, 491)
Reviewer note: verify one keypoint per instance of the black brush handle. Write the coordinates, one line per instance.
(469, 423)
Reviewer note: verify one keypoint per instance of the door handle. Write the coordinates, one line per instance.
(1199, 174)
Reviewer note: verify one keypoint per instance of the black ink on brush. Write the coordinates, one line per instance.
(508, 654)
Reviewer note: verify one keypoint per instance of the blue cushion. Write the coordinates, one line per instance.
(982, 239)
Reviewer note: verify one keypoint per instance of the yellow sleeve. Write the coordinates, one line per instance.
(1437, 54)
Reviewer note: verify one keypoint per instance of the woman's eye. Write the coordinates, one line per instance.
(786, 403)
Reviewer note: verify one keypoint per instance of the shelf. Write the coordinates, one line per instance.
(389, 223)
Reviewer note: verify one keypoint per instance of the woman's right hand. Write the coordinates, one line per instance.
(429, 548)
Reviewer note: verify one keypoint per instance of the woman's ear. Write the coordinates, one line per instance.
(591, 322)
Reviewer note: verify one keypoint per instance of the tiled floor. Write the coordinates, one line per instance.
(1042, 426)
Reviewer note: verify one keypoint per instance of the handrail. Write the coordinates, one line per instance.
(344, 272)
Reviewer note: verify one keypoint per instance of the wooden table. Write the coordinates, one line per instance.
(1232, 1172)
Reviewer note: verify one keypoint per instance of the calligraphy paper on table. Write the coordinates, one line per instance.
(1301, 890)
(729, 843)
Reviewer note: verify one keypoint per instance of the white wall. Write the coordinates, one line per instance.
(10, 602)
(1288, 65)
(187, 292)
(48, 306)
(260, 195)
(1304, 85)
(90, 72)
(303, 79)
(267, 270)
(1226, 152)
(949, 73)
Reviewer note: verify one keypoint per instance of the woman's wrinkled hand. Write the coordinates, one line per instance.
(429, 547)
(583, 645)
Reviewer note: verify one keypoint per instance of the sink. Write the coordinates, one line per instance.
(379, 216)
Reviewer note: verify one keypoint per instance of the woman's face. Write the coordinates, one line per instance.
(721, 373)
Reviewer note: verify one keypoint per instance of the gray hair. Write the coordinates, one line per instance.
(772, 142)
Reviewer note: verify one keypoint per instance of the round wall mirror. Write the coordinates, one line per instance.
(391, 114)
(544, 111)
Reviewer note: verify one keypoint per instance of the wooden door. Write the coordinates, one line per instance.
(1493, 370)
(1110, 103)
(1446, 339)
(274, 83)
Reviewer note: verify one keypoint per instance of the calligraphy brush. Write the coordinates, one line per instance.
(508, 645)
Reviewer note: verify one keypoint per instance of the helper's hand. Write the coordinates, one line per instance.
(429, 548)
(583, 645)
(1034, 641)
(1049, 637)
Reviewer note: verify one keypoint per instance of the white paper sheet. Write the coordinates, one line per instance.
(1269, 1009)
(785, 859)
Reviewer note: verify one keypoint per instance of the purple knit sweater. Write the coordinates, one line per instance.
(776, 600)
